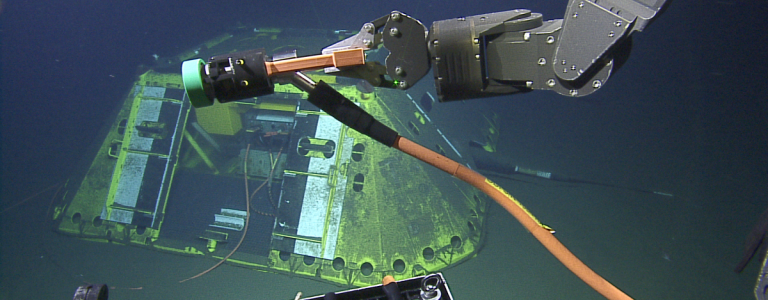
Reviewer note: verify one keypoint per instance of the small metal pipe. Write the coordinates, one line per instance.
(303, 82)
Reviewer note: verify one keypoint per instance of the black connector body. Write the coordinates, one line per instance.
(347, 112)
(238, 75)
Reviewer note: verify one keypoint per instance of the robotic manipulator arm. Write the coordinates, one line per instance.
(485, 55)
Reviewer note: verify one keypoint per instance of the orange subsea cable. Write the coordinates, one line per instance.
(540, 232)
(348, 113)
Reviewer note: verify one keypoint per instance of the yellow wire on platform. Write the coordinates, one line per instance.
(247, 217)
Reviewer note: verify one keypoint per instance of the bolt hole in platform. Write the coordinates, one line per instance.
(76, 218)
(456, 242)
(284, 256)
(428, 253)
(359, 181)
(309, 260)
(140, 230)
(338, 263)
(97, 221)
(398, 265)
(366, 269)
(313, 147)
(357, 152)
